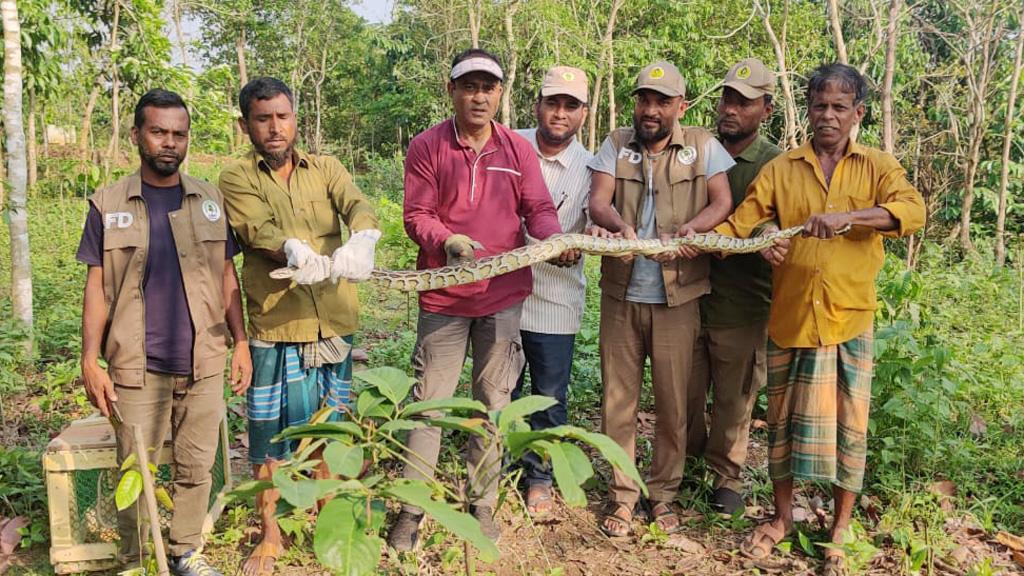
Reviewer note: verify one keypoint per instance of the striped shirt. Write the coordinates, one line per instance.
(556, 305)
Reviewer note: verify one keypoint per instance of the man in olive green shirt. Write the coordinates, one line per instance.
(730, 353)
(284, 206)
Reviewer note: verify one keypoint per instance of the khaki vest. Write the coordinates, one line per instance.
(200, 234)
(680, 193)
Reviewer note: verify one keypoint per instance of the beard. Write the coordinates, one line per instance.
(554, 139)
(732, 134)
(161, 165)
(649, 136)
(276, 159)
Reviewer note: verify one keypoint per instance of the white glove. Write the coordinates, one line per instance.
(316, 269)
(298, 252)
(354, 260)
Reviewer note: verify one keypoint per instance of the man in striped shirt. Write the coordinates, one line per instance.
(551, 315)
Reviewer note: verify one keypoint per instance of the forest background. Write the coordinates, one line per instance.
(946, 463)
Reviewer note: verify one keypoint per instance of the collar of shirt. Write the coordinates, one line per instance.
(753, 152)
(134, 188)
(564, 158)
(806, 151)
(299, 158)
(496, 139)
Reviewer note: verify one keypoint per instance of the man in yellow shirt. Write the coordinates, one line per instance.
(823, 299)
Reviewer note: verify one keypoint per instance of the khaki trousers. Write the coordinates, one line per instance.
(192, 411)
(441, 346)
(731, 363)
(630, 334)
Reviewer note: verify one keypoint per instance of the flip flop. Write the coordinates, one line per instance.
(664, 515)
(539, 502)
(835, 563)
(620, 517)
(763, 539)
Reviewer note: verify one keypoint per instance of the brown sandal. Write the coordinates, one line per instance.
(261, 560)
(762, 541)
(617, 521)
(835, 563)
(666, 518)
(539, 501)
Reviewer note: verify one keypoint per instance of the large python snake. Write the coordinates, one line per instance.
(491, 266)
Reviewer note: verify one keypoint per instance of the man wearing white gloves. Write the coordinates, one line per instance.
(284, 206)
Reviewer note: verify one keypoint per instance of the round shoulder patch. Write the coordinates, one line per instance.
(657, 72)
(743, 73)
(211, 210)
(687, 155)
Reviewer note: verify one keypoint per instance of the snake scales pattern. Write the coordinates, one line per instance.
(491, 266)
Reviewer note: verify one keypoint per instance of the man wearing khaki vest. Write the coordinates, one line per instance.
(161, 307)
(730, 354)
(654, 180)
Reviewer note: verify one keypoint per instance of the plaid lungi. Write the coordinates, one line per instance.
(284, 394)
(818, 401)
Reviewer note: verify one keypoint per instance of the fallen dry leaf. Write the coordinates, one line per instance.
(800, 514)
(960, 555)
(756, 424)
(243, 439)
(684, 544)
(359, 355)
(945, 490)
(1011, 541)
(1018, 557)
(978, 426)
(9, 537)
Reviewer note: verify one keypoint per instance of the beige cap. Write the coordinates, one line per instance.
(566, 80)
(751, 78)
(663, 77)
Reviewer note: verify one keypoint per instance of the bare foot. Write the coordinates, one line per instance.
(262, 558)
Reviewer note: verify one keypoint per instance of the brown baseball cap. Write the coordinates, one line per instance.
(751, 78)
(662, 77)
(566, 80)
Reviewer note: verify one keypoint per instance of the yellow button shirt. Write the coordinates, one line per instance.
(824, 292)
(265, 211)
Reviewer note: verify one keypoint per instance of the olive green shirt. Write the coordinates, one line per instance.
(741, 285)
(264, 211)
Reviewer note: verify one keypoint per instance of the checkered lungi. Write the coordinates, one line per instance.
(818, 401)
(284, 393)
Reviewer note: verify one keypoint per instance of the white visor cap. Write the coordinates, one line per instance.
(477, 64)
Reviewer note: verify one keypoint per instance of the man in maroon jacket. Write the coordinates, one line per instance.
(470, 184)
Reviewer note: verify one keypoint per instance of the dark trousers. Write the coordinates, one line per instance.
(549, 360)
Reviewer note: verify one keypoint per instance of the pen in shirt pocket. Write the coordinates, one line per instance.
(562, 201)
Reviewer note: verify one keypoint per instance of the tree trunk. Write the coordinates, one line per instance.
(475, 17)
(609, 58)
(114, 148)
(243, 79)
(513, 64)
(595, 101)
(33, 156)
(1004, 174)
(779, 47)
(17, 208)
(183, 50)
(837, 31)
(3, 176)
(83, 133)
(888, 137)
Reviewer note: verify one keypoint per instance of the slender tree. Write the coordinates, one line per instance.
(1008, 132)
(17, 171)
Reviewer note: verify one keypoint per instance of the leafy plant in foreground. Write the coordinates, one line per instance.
(347, 535)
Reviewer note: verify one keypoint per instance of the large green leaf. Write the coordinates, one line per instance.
(334, 430)
(564, 475)
(443, 405)
(128, 489)
(392, 426)
(582, 469)
(463, 525)
(247, 490)
(611, 452)
(522, 408)
(373, 405)
(391, 382)
(470, 425)
(344, 460)
(298, 493)
(340, 540)
(518, 442)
